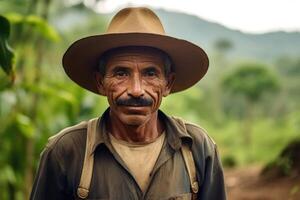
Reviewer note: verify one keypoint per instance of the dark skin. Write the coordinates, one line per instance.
(135, 73)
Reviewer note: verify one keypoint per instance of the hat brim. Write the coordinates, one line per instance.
(81, 59)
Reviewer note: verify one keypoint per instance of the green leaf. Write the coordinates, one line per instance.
(6, 53)
(37, 24)
(25, 125)
(7, 175)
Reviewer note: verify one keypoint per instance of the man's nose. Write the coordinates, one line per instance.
(135, 88)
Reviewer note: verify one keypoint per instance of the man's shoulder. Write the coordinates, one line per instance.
(66, 136)
(66, 148)
(197, 132)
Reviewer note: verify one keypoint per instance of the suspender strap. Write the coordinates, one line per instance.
(190, 166)
(88, 163)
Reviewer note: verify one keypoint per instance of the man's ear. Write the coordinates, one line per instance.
(169, 84)
(99, 83)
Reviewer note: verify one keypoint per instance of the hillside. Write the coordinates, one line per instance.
(204, 33)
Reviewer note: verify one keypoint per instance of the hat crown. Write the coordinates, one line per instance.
(136, 20)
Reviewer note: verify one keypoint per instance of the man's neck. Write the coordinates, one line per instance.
(144, 133)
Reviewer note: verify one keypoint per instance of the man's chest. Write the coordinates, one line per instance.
(112, 179)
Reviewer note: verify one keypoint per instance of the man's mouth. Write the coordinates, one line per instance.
(135, 110)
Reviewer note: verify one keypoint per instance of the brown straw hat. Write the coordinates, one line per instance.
(135, 27)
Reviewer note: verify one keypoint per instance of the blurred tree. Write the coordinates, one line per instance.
(289, 69)
(251, 82)
(6, 53)
(223, 45)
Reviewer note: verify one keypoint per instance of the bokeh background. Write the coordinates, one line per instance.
(248, 102)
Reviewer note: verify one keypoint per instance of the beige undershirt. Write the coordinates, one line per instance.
(139, 158)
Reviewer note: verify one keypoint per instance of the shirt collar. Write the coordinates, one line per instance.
(176, 132)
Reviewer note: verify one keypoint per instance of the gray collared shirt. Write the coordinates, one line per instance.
(61, 163)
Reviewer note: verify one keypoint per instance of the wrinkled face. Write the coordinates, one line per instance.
(134, 83)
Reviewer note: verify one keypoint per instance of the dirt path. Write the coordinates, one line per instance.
(247, 184)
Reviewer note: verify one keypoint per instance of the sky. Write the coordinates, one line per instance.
(252, 16)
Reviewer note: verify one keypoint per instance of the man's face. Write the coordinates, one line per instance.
(134, 83)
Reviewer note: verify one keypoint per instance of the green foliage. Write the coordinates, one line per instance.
(6, 53)
(223, 44)
(24, 125)
(289, 69)
(268, 139)
(287, 163)
(7, 175)
(251, 81)
(229, 161)
(186, 104)
(36, 24)
(288, 66)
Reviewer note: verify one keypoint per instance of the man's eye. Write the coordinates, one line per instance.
(150, 73)
(121, 73)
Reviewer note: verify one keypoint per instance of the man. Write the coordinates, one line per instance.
(134, 151)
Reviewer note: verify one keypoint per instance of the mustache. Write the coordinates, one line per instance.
(132, 101)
